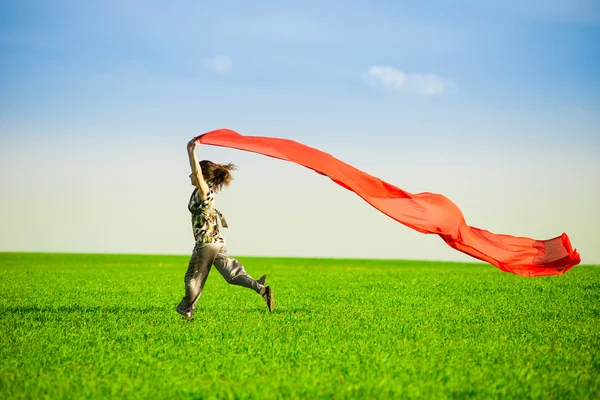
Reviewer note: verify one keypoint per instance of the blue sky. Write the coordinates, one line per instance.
(493, 103)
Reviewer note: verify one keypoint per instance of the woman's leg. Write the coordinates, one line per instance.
(199, 266)
(234, 273)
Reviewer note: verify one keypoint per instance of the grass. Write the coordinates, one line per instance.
(103, 326)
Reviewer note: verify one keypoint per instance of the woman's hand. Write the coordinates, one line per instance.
(193, 145)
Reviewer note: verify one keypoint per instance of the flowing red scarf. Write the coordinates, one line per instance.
(424, 212)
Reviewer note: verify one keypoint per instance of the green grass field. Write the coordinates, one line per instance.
(104, 326)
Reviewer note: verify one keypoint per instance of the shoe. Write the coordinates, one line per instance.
(187, 315)
(268, 296)
(262, 280)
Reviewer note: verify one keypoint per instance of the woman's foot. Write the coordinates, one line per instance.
(187, 315)
(262, 280)
(268, 296)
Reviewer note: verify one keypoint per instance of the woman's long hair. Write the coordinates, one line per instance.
(217, 175)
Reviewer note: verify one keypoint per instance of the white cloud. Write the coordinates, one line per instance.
(219, 64)
(421, 84)
(429, 85)
(387, 76)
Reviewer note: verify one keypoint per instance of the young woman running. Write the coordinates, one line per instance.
(210, 249)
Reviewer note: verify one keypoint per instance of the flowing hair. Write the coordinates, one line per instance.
(217, 175)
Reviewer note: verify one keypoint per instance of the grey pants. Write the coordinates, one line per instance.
(203, 258)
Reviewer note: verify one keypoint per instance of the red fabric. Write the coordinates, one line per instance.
(424, 212)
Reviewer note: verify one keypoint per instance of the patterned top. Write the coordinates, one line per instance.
(205, 218)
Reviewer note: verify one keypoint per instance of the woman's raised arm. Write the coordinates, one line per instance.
(196, 171)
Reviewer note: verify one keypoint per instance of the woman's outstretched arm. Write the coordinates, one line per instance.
(197, 178)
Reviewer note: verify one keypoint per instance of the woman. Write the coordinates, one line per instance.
(209, 178)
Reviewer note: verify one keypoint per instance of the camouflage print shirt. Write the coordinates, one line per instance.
(205, 218)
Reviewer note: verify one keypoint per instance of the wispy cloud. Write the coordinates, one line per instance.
(421, 84)
(219, 64)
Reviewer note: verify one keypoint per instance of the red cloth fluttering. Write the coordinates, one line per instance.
(425, 212)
